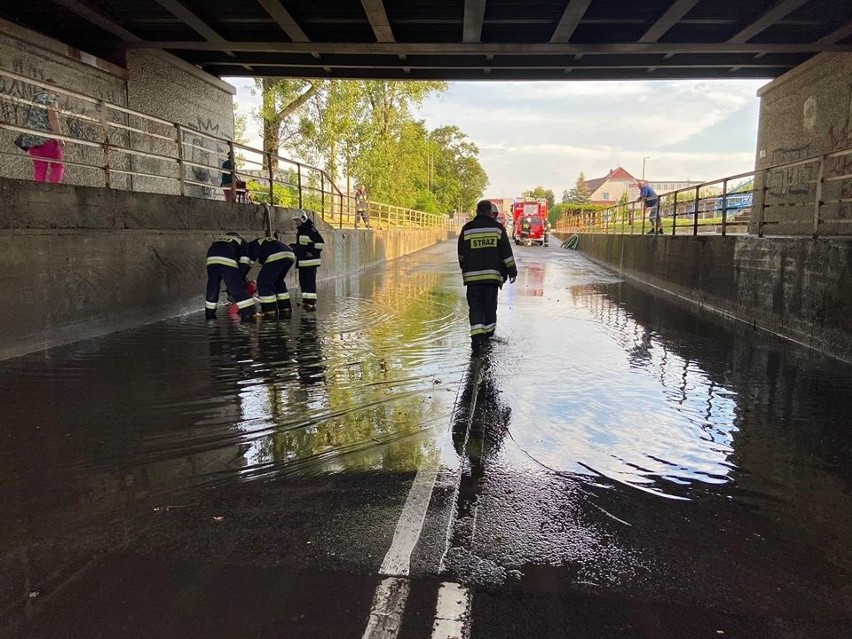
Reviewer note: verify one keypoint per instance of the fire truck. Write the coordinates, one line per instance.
(529, 217)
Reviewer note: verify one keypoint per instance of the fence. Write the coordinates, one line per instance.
(812, 196)
(116, 147)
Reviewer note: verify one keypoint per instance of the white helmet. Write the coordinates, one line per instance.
(299, 216)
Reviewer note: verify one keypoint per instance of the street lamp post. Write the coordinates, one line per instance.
(643, 165)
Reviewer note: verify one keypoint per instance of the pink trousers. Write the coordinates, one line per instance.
(47, 162)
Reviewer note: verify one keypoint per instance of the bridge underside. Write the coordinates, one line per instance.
(456, 39)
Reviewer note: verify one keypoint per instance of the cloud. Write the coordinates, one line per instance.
(546, 133)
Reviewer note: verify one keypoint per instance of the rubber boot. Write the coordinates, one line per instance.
(209, 313)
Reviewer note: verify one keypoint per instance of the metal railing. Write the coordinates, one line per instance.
(811, 196)
(115, 147)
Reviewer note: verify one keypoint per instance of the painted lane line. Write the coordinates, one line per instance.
(397, 561)
(386, 611)
(452, 612)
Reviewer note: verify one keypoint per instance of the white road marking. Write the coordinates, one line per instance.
(388, 606)
(392, 593)
(397, 561)
(452, 612)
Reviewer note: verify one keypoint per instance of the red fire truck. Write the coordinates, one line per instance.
(529, 218)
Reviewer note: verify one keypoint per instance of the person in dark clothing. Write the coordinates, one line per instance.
(308, 247)
(228, 260)
(275, 259)
(486, 261)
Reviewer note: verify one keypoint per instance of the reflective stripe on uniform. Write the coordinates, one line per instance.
(221, 261)
(245, 259)
(489, 328)
(304, 239)
(312, 262)
(282, 296)
(488, 232)
(309, 296)
(245, 303)
(280, 255)
(319, 246)
(477, 329)
(211, 306)
(509, 261)
(267, 299)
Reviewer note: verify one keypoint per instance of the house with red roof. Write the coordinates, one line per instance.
(610, 188)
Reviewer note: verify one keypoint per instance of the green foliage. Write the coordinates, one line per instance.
(580, 193)
(367, 131)
(286, 196)
(540, 191)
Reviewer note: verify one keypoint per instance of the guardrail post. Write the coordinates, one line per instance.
(299, 178)
(695, 219)
(818, 198)
(105, 144)
(179, 142)
(233, 161)
(271, 176)
(674, 215)
(724, 207)
(322, 194)
(761, 212)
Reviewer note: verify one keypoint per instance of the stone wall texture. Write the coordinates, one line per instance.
(43, 59)
(161, 85)
(82, 261)
(807, 112)
(798, 288)
(154, 83)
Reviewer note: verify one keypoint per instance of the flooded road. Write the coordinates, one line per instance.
(615, 465)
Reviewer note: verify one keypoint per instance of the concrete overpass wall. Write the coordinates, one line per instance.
(29, 54)
(154, 83)
(79, 262)
(806, 112)
(800, 289)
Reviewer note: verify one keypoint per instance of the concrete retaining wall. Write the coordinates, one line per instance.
(78, 262)
(798, 288)
(154, 82)
(807, 112)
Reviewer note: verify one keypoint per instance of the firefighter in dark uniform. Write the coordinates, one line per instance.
(275, 259)
(228, 260)
(486, 260)
(309, 245)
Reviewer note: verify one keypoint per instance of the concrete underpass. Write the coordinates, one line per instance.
(617, 464)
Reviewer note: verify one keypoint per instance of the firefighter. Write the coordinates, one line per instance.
(546, 230)
(526, 227)
(228, 260)
(309, 245)
(486, 261)
(275, 259)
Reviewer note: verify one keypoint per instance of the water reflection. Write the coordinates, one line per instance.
(95, 426)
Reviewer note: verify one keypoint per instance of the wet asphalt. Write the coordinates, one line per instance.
(616, 464)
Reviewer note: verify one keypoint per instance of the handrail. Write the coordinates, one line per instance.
(780, 196)
(120, 148)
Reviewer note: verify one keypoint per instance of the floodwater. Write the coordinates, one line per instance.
(619, 440)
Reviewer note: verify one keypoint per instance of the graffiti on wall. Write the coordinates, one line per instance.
(795, 180)
(76, 113)
(205, 154)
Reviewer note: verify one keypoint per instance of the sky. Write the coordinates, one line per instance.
(546, 133)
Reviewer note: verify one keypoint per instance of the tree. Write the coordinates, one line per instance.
(281, 101)
(580, 193)
(540, 191)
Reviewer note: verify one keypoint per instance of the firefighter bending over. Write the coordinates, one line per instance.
(275, 259)
(309, 245)
(228, 260)
(486, 260)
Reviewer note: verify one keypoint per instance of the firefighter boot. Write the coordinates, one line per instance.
(209, 313)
